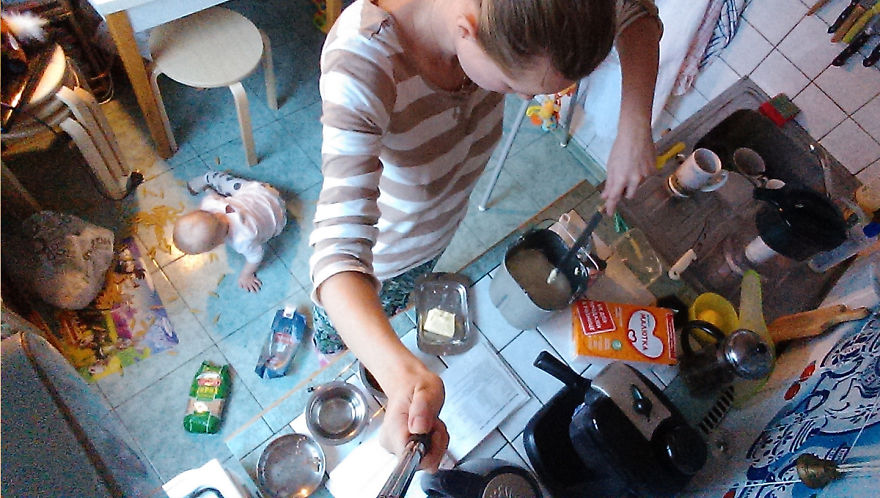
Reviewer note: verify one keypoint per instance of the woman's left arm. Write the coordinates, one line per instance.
(632, 155)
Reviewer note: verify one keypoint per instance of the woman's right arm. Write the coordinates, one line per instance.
(358, 95)
(415, 394)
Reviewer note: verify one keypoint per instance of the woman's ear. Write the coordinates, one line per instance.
(466, 25)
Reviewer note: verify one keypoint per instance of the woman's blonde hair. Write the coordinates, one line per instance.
(575, 34)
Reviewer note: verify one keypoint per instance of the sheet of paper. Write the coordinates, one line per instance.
(480, 393)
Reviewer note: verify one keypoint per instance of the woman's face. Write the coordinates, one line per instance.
(538, 79)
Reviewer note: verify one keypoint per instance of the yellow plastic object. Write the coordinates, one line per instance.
(669, 154)
(715, 309)
(751, 316)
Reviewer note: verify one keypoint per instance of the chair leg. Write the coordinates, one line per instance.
(84, 115)
(244, 121)
(566, 122)
(21, 195)
(121, 169)
(90, 151)
(505, 150)
(269, 73)
(154, 82)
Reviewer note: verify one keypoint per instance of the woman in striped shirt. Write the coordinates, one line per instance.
(412, 95)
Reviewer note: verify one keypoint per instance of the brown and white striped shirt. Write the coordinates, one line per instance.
(400, 156)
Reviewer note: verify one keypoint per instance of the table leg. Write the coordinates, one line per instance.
(120, 28)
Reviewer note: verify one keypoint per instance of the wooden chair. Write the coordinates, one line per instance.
(62, 99)
(213, 48)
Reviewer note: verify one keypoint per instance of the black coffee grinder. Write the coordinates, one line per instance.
(617, 435)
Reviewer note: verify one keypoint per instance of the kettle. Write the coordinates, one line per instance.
(798, 222)
(481, 478)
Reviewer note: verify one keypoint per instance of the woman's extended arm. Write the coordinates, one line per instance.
(415, 394)
(632, 155)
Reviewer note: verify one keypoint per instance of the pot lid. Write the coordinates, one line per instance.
(749, 354)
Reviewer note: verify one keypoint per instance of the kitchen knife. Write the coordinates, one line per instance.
(871, 59)
(816, 6)
(851, 19)
(861, 22)
(842, 17)
(856, 44)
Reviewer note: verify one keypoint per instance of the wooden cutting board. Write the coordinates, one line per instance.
(812, 323)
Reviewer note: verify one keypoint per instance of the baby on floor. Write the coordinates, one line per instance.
(244, 213)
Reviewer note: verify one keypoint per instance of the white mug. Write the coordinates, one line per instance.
(701, 171)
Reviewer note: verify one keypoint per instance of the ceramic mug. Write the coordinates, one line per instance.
(701, 171)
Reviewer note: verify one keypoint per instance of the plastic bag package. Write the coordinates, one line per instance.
(285, 336)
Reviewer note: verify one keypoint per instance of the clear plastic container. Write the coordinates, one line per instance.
(860, 237)
(442, 295)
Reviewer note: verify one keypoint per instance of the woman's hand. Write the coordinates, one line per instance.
(632, 158)
(415, 397)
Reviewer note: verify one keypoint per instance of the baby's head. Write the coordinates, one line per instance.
(571, 36)
(200, 231)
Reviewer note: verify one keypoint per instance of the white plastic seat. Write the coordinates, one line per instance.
(213, 48)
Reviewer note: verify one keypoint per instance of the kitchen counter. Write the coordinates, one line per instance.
(712, 222)
(517, 348)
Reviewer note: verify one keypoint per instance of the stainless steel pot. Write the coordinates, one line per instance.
(520, 288)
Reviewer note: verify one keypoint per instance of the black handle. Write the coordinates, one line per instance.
(842, 17)
(698, 325)
(580, 241)
(871, 59)
(850, 49)
(555, 367)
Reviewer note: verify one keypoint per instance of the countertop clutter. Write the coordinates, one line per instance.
(621, 370)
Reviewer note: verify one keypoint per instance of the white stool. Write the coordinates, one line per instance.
(213, 48)
(60, 100)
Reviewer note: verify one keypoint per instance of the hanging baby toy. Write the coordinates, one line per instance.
(546, 114)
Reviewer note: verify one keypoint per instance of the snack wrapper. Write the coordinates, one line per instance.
(623, 331)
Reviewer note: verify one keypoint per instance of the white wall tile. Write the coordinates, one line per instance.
(666, 121)
(869, 174)
(509, 454)
(715, 78)
(819, 114)
(851, 85)
(868, 117)
(513, 425)
(686, 105)
(520, 355)
(854, 148)
(774, 18)
(747, 49)
(776, 74)
(557, 331)
(809, 47)
(486, 316)
(488, 447)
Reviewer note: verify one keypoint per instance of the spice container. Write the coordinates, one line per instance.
(442, 310)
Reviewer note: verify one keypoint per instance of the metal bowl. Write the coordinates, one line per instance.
(291, 466)
(371, 384)
(336, 412)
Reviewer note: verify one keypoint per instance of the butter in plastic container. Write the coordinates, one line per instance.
(623, 331)
(285, 336)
